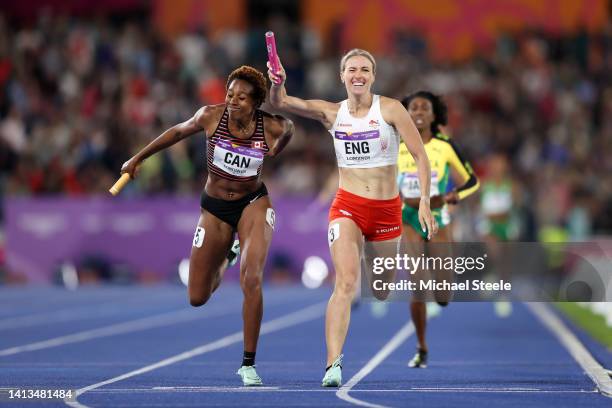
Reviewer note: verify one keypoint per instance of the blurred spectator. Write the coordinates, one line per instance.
(79, 96)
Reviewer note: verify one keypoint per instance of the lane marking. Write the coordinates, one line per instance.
(221, 389)
(206, 389)
(292, 319)
(575, 348)
(183, 315)
(145, 323)
(77, 312)
(397, 340)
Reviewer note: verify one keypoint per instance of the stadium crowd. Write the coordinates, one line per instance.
(79, 96)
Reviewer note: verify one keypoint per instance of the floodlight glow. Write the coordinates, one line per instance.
(314, 273)
(183, 271)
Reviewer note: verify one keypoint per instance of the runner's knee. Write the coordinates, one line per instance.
(251, 277)
(199, 297)
(251, 283)
(345, 287)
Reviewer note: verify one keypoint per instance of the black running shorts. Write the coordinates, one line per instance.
(230, 211)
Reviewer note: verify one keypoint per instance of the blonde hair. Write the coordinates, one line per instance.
(354, 53)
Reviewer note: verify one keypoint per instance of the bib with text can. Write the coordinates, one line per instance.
(237, 160)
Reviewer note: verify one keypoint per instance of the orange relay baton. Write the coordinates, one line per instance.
(119, 184)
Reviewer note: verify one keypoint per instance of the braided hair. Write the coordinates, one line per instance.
(438, 105)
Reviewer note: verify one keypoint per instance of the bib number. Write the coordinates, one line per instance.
(358, 147)
(237, 160)
(410, 188)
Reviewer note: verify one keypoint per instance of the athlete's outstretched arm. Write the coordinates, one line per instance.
(469, 182)
(323, 111)
(396, 115)
(171, 136)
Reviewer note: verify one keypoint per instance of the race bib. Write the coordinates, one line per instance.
(497, 202)
(333, 233)
(237, 160)
(410, 188)
(358, 147)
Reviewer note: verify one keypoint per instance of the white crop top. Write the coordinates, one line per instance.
(364, 142)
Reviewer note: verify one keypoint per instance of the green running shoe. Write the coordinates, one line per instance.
(419, 360)
(249, 376)
(333, 375)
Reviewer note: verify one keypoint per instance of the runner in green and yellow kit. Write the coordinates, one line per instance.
(429, 113)
(498, 223)
(497, 201)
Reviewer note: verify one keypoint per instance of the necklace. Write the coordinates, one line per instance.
(244, 130)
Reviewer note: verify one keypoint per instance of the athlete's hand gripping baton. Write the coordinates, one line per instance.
(272, 55)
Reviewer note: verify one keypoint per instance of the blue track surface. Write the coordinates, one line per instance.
(475, 357)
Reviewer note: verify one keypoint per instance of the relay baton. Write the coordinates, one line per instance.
(119, 184)
(272, 55)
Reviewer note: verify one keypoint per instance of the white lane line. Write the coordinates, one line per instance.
(292, 319)
(150, 322)
(204, 389)
(80, 313)
(400, 337)
(577, 350)
(221, 390)
(498, 390)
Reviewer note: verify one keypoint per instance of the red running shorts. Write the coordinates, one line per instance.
(378, 220)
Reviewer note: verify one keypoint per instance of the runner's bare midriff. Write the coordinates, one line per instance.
(229, 190)
(377, 183)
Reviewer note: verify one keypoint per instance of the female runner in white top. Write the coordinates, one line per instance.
(368, 174)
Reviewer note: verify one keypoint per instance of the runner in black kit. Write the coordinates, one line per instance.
(239, 136)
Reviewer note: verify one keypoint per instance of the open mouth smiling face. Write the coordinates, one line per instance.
(358, 75)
